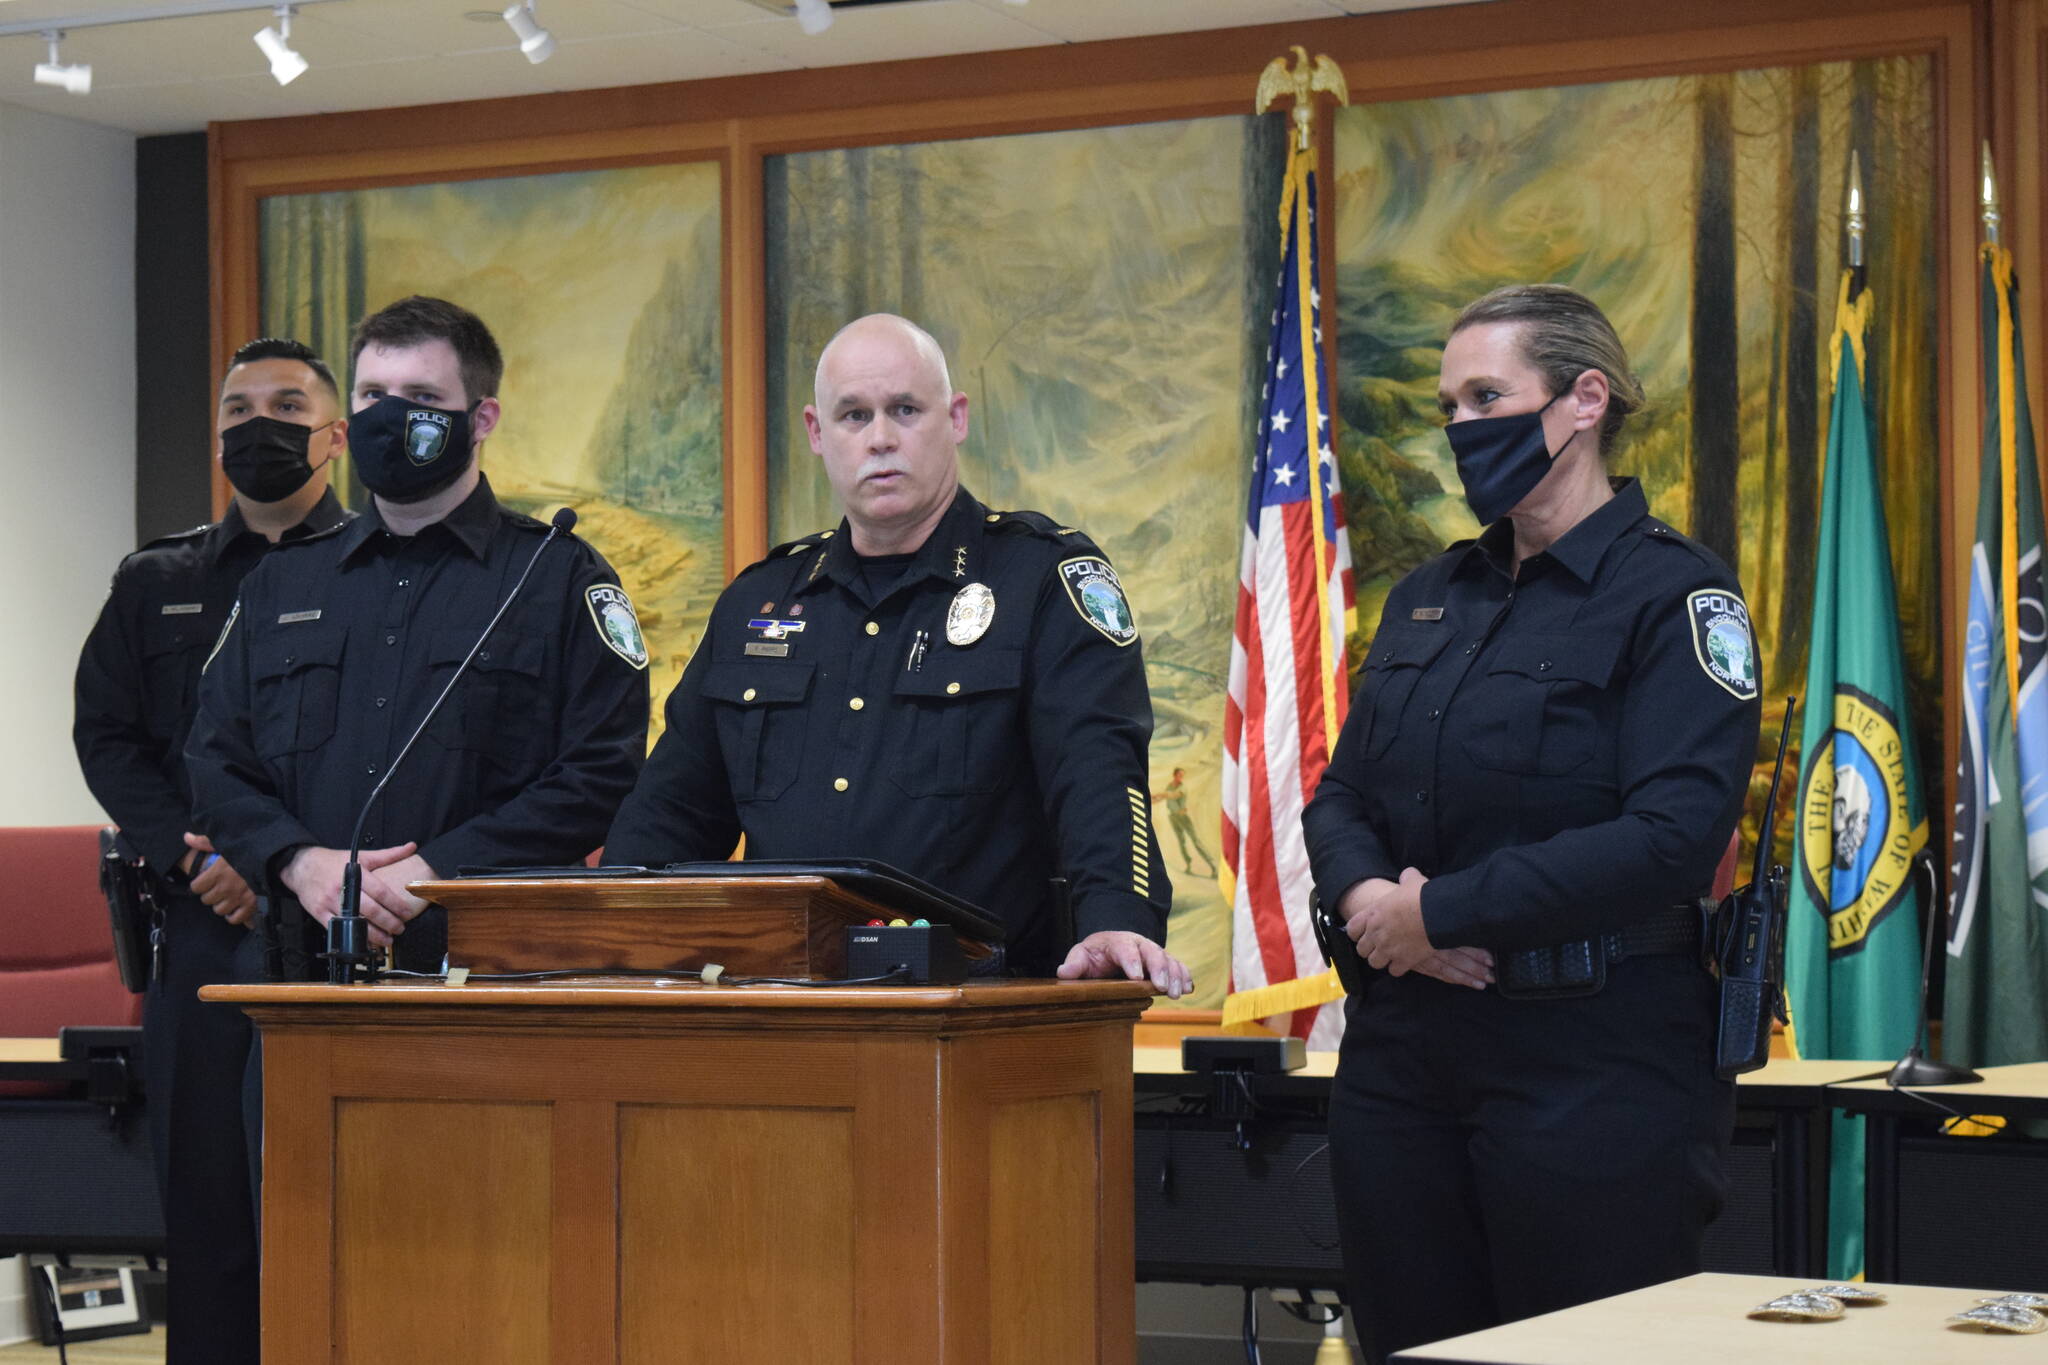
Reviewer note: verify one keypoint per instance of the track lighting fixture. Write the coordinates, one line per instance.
(286, 65)
(536, 42)
(76, 77)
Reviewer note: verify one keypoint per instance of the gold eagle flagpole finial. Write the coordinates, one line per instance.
(1987, 198)
(1307, 77)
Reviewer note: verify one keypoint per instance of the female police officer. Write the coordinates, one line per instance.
(1544, 762)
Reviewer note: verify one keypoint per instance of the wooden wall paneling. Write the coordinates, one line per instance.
(2019, 140)
(745, 291)
(1961, 131)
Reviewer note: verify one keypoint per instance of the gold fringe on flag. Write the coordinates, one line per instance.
(1283, 997)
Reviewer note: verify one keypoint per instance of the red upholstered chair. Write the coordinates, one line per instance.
(1724, 871)
(75, 1171)
(56, 947)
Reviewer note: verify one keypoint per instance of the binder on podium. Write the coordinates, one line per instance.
(786, 919)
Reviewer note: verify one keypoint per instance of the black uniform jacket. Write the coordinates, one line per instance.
(340, 644)
(1556, 752)
(138, 676)
(985, 768)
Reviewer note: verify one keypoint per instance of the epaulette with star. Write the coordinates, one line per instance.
(800, 544)
(1036, 523)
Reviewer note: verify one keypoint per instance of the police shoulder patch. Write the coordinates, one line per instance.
(1721, 639)
(617, 625)
(1098, 595)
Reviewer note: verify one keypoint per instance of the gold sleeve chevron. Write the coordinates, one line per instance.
(1141, 842)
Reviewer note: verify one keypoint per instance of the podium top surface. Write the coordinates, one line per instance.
(1701, 1320)
(598, 992)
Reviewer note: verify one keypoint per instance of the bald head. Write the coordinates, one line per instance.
(887, 330)
(888, 426)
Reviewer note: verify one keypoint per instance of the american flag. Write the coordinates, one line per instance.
(1288, 690)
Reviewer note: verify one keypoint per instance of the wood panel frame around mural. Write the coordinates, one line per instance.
(1990, 63)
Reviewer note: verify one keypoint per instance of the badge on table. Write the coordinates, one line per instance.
(617, 625)
(1721, 639)
(426, 436)
(1098, 594)
(968, 616)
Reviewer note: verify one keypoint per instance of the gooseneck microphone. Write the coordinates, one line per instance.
(349, 956)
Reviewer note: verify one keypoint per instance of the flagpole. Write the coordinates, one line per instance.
(1987, 198)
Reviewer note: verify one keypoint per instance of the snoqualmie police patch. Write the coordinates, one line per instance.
(617, 624)
(1722, 640)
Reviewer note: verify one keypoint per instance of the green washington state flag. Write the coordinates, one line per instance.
(1852, 969)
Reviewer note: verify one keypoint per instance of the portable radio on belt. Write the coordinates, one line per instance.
(1749, 946)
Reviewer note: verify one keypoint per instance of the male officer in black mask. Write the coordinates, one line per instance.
(338, 647)
(280, 424)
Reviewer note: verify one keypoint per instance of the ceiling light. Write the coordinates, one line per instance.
(536, 42)
(813, 16)
(76, 78)
(286, 65)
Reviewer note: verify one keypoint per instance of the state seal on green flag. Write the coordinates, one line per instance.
(1857, 836)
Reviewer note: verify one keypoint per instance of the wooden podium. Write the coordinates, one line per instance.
(608, 1171)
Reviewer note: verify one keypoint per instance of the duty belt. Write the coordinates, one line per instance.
(1579, 967)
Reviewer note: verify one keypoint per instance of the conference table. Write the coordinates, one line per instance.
(1267, 1220)
(1703, 1320)
(1967, 1197)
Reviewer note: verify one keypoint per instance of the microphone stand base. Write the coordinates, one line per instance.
(349, 957)
(1915, 1071)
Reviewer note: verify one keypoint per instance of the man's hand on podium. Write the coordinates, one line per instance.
(314, 876)
(1118, 952)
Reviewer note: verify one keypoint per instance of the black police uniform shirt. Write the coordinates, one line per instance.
(339, 645)
(1561, 751)
(822, 718)
(138, 675)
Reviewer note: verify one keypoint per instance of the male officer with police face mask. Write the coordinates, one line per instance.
(279, 424)
(338, 647)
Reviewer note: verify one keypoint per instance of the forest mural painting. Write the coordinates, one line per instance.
(1101, 297)
(602, 288)
(1703, 213)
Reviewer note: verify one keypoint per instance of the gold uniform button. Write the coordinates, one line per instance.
(995, 516)
(856, 704)
(952, 688)
(839, 784)
(872, 629)
(747, 695)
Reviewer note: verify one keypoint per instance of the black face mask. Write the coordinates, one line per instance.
(265, 459)
(405, 451)
(1502, 459)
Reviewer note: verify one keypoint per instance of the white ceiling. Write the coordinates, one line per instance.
(177, 74)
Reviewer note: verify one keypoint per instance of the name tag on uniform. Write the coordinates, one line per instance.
(770, 650)
(292, 617)
(184, 608)
(1426, 614)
